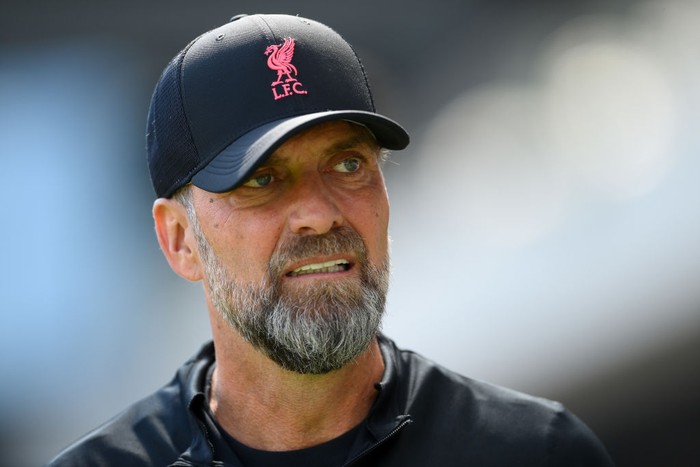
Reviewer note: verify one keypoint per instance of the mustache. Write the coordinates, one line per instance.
(342, 239)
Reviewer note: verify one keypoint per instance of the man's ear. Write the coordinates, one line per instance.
(176, 239)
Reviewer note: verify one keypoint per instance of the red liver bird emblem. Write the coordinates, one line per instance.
(279, 59)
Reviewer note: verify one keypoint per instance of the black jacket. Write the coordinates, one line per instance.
(423, 415)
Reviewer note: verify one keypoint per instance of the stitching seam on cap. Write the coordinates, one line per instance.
(364, 75)
(270, 35)
(199, 166)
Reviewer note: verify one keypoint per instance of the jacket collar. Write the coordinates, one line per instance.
(388, 411)
(386, 416)
(192, 379)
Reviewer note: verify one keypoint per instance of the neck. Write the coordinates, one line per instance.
(267, 407)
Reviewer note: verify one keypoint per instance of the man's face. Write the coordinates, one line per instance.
(296, 259)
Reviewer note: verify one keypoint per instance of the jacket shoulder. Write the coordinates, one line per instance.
(153, 431)
(490, 424)
(469, 400)
(147, 433)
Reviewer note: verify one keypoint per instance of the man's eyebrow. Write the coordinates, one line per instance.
(349, 143)
(339, 146)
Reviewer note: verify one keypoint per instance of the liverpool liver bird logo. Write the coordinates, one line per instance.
(280, 59)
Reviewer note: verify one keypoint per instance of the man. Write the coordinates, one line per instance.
(265, 153)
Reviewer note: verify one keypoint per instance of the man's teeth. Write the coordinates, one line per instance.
(337, 265)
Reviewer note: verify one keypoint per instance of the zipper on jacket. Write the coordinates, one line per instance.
(376, 445)
(186, 463)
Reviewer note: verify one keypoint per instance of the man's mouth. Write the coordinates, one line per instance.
(337, 265)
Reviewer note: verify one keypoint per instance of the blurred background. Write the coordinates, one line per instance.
(545, 223)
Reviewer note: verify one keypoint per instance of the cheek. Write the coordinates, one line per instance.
(259, 241)
(375, 228)
(383, 223)
(246, 247)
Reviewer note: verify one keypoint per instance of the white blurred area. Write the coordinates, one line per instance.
(551, 228)
(545, 224)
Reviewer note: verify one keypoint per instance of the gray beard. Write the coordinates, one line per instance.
(313, 330)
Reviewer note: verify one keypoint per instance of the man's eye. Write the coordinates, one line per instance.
(349, 165)
(259, 181)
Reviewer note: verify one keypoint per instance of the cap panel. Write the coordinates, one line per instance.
(229, 90)
(222, 80)
(172, 154)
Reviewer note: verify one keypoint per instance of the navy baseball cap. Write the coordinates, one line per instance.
(237, 92)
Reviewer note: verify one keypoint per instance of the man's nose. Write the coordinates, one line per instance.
(313, 208)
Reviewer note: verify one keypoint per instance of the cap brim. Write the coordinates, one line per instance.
(236, 162)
